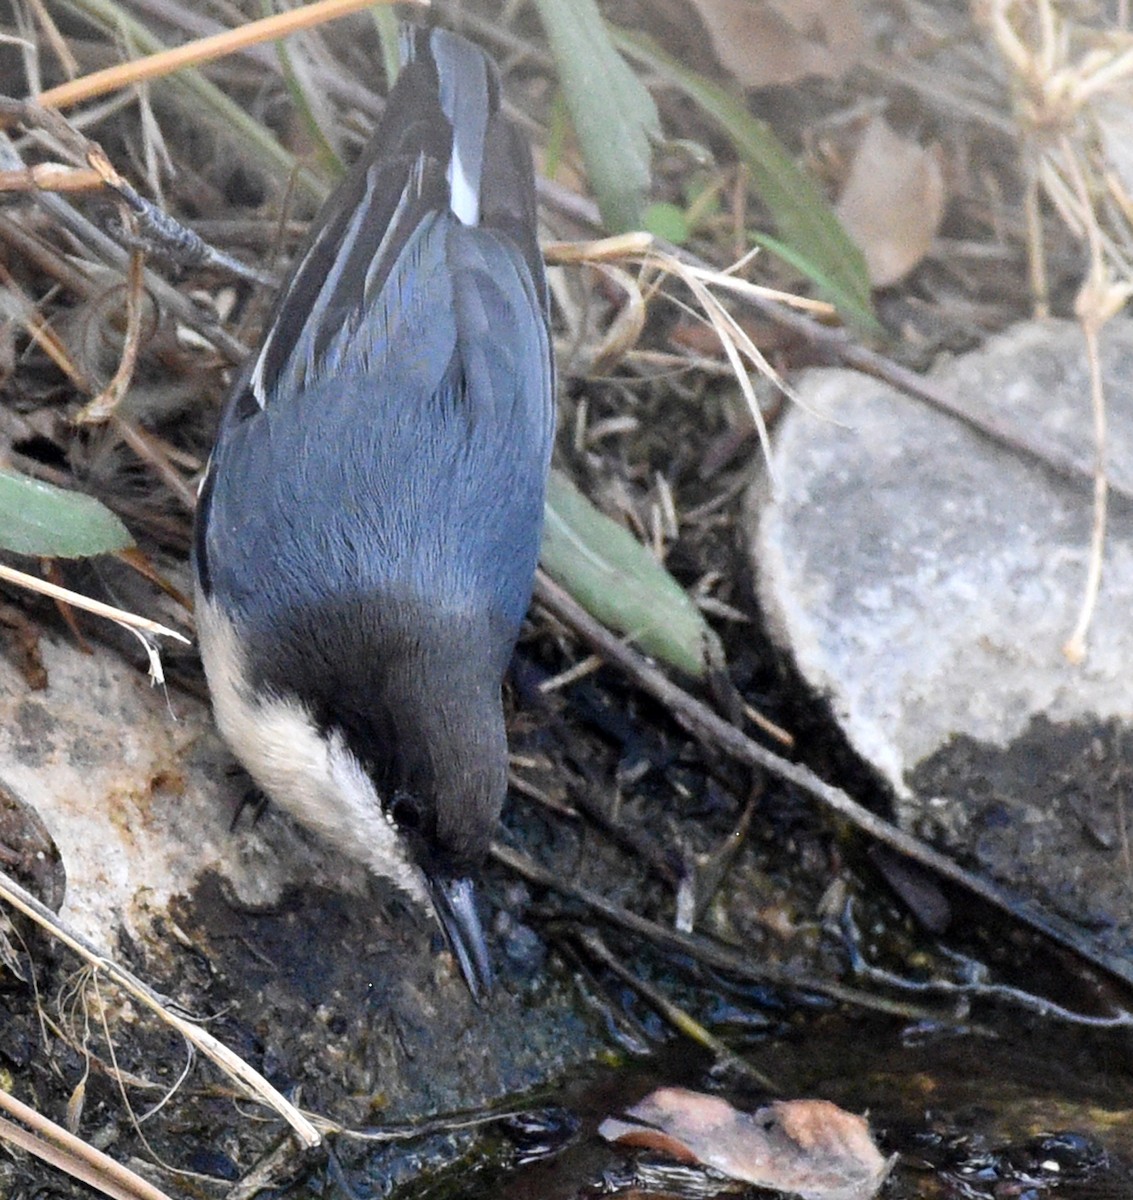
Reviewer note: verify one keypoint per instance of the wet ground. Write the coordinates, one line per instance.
(1014, 1109)
(347, 1003)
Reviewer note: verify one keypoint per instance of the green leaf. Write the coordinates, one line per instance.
(805, 221)
(615, 578)
(667, 221)
(43, 521)
(613, 114)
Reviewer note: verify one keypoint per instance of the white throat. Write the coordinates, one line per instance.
(314, 777)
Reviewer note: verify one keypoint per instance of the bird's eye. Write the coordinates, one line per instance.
(405, 811)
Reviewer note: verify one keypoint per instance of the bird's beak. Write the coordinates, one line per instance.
(454, 901)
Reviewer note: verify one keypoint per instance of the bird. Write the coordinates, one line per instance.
(369, 521)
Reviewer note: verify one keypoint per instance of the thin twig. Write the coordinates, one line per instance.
(71, 1155)
(704, 724)
(680, 1020)
(243, 1074)
(971, 988)
(182, 307)
(736, 962)
(47, 177)
(202, 50)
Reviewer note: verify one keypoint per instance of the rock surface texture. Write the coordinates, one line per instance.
(925, 580)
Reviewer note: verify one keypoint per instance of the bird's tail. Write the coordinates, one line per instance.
(490, 174)
(442, 143)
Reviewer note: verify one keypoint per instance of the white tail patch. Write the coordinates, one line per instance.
(465, 191)
(463, 75)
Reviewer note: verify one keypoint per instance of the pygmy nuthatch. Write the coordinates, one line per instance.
(369, 523)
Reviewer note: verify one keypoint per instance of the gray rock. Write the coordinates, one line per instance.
(925, 580)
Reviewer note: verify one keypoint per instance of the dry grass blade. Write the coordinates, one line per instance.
(728, 281)
(626, 329)
(240, 1072)
(40, 332)
(644, 250)
(1072, 85)
(834, 342)
(611, 249)
(66, 596)
(53, 1144)
(201, 51)
(150, 449)
(105, 404)
(736, 343)
(53, 38)
(1098, 300)
(634, 245)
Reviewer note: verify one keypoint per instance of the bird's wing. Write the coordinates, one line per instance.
(409, 351)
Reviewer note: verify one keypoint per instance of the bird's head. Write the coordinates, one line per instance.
(404, 770)
(451, 778)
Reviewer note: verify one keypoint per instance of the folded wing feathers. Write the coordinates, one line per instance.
(442, 143)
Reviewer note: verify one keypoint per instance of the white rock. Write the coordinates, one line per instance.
(136, 791)
(925, 579)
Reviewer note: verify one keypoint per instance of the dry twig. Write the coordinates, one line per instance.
(202, 50)
(250, 1081)
(53, 1144)
(705, 725)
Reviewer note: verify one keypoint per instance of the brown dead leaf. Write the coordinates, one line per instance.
(766, 42)
(893, 201)
(810, 1148)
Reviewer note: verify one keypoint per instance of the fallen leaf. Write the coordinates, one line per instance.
(893, 201)
(767, 42)
(809, 1148)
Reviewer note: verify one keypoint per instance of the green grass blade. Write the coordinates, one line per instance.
(388, 25)
(306, 104)
(808, 229)
(613, 113)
